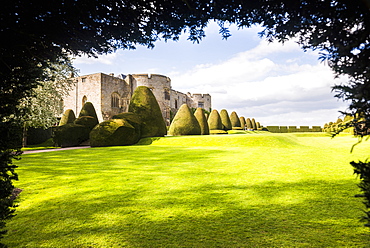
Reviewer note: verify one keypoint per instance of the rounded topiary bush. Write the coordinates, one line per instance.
(115, 132)
(254, 124)
(225, 119)
(184, 123)
(242, 121)
(144, 104)
(214, 120)
(248, 123)
(67, 117)
(132, 118)
(202, 120)
(234, 119)
(87, 121)
(70, 134)
(88, 110)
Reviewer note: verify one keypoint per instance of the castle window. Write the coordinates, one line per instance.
(175, 104)
(84, 100)
(83, 80)
(200, 104)
(167, 94)
(115, 100)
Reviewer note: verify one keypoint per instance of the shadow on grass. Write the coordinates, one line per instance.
(271, 214)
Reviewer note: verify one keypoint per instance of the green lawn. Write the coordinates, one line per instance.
(251, 190)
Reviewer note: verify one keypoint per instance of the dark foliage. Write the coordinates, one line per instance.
(36, 34)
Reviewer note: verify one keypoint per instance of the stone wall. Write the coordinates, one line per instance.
(114, 86)
(111, 94)
(200, 101)
(87, 89)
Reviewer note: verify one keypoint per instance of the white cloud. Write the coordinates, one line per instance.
(267, 82)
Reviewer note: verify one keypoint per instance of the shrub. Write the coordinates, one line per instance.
(254, 125)
(242, 121)
(292, 129)
(88, 110)
(144, 104)
(67, 117)
(184, 123)
(115, 132)
(283, 129)
(70, 135)
(273, 129)
(234, 119)
(87, 121)
(225, 120)
(132, 118)
(214, 121)
(249, 123)
(202, 120)
(38, 135)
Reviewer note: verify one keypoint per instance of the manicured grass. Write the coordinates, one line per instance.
(254, 190)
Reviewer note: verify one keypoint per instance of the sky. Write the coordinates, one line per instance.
(277, 84)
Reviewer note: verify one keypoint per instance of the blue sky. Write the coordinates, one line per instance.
(275, 84)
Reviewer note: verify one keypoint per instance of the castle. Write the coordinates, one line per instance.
(111, 94)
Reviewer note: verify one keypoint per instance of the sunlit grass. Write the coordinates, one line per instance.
(254, 190)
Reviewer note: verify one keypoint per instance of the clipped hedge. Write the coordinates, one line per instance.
(234, 119)
(254, 124)
(114, 132)
(249, 124)
(184, 123)
(242, 121)
(70, 134)
(144, 104)
(67, 117)
(225, 119)
(214, 121)
(202, 120)
(87, 121)
(88, 110)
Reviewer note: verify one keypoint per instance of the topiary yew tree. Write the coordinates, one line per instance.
(145, 105)
(235, 121)
(68, 117)
(202, 120)
(214, 120)
(225, 119)
(242, 121)
(184, 123)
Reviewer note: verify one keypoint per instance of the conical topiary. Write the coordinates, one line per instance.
(67, 117)
(87, 116)
(235, 121)
(144, 104)
(88, 110)
(242, 121)
(225, 119)
(202, 120)
(249, 123)
(214, 120)
(254, 125)
(184, 123)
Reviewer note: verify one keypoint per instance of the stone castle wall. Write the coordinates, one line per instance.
(111, 95)
(87, 89)
(114, 86)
